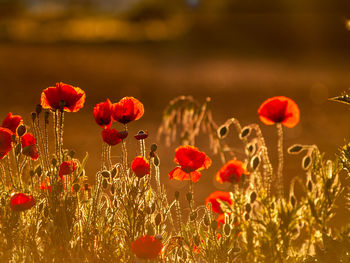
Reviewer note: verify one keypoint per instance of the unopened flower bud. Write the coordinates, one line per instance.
(106, 174)
(206, 220)
(227, 229)
(71, 153)
(158, 219)
(193, 215)
(156, 160)
(154, 147)
(21, 130)
(33, 116)
(189, 197)
(114, 172)
(248, 208)
(177, 195)
(253, 197)
(38, 109)
(112, 189)
(104, 183)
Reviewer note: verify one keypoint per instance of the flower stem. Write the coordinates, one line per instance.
(280, 185)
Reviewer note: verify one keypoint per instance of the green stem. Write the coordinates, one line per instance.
(280, 183)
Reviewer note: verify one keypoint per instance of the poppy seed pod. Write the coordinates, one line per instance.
(154, 147)
(141, 135)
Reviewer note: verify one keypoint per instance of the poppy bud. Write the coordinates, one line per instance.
(244, 132)
(158, 219)
(306, 162)
(21, 130)
(104, 183)
(153, 207)
(189, 197)
(54, 161)
(250, 149)
(114, 172)
(292, 200)
(141, 135)
(246, 216)
(309, 185)
(47, 115)
(295, 149)
(33, 116)
(253, 197)
(248, 208)
(255, 162)
(38, 170)
(193, 215)
(106, 174)
(38, 109)
(76, 188)
(177, 195)
(206, 220)
(156, 160)
(222, 131)
(71, 153)
(154, 147)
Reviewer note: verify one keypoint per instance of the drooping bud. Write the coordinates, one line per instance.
(189, 197)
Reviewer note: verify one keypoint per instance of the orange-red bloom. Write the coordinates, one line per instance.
(103, 113)
(127, 109)
(73, 97)
(140, 166)
(29, 146)
(42, 185)
(21, 202)
(67, 167)
(218, 195)
(111, 136)
(147, 247)
(231, 172)
(190, 161)
(5, 141)
(12, 122)
(279, 110)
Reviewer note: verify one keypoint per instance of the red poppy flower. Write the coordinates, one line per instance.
(213, 199)
(279, 110)
(12, 122)
(141, 135)
(191, 161)
(21, 202)
(111, 136)
(67, 167)
(147, 247)
(127, 109)
(29, 146)
(140, 166)
(231, 172)
(5, 141)
(73, 97)
(103, 113)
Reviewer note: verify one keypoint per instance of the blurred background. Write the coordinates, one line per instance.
(237, 52)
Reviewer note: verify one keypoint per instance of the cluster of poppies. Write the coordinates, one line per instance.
(190, 160)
